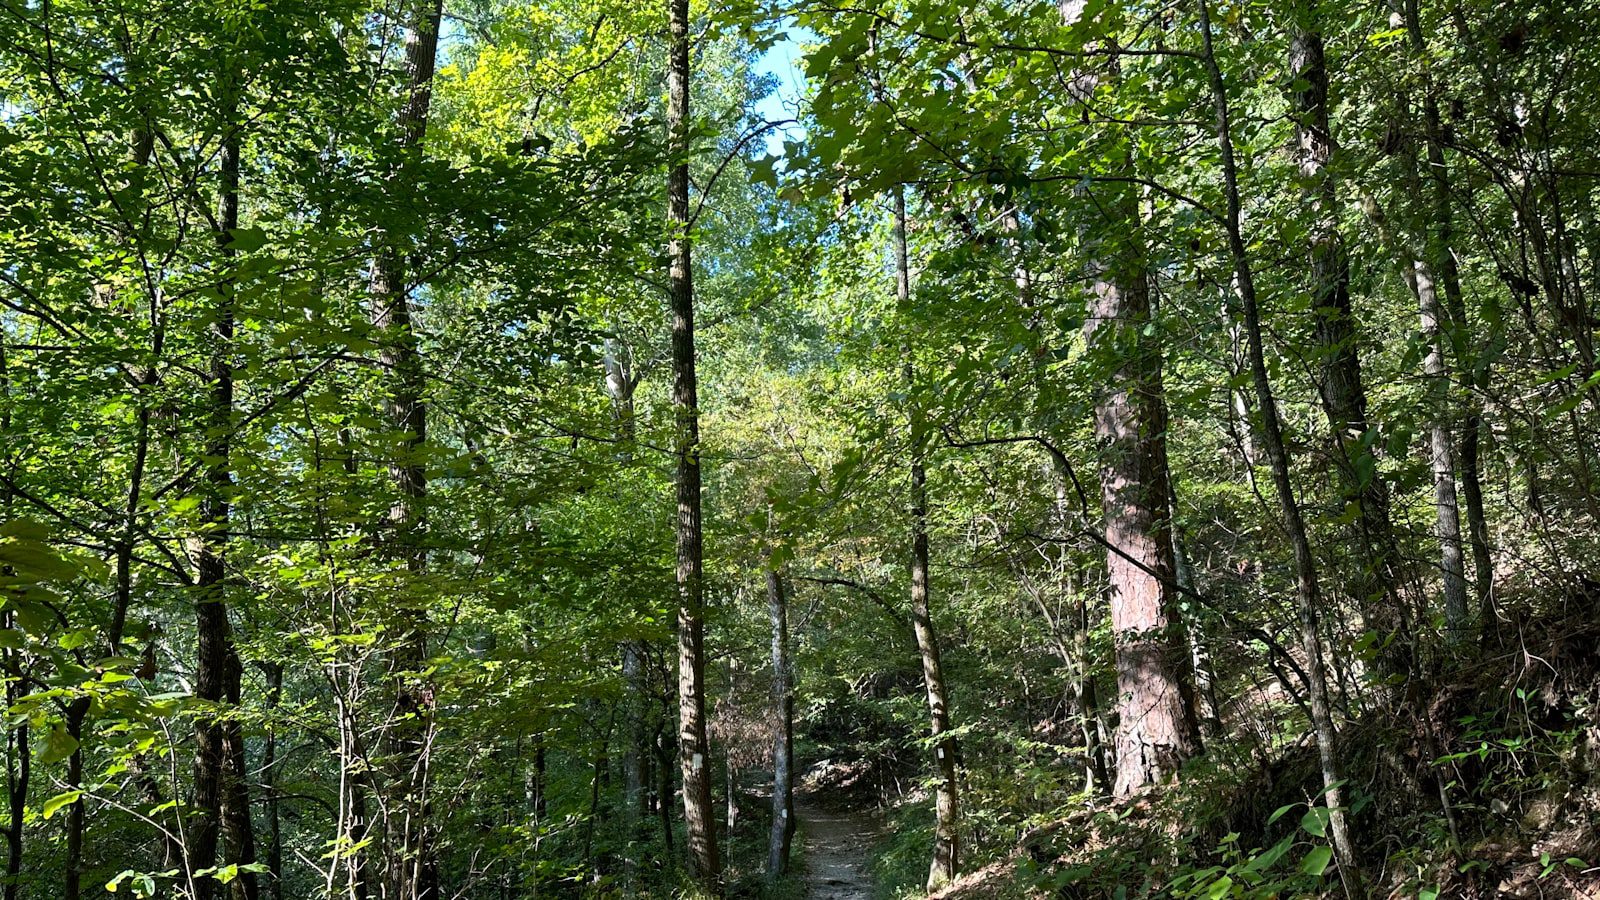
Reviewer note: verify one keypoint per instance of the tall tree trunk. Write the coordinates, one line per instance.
(19, 754)
(1307, 593)
(1375, 583)
(694, 748)
(1473, 376)
(947, 828)
(1441, 451)
(620, 383)
(221, 794)
(1156, 728)
(412, 870)
(19, 759)
(783, 817)
(140, 378)
(269, 776)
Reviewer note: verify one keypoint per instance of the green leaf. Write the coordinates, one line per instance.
(246, 240)
(58, 745)
(1316, 862)
(54, 804)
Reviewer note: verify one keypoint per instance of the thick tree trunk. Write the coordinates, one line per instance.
(783, 817)
(1375, 583)
(947, 828)
(1307, 593)
(1156, 729)
(412, 868)
(694, 749)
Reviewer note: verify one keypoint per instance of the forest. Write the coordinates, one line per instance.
(857, 449)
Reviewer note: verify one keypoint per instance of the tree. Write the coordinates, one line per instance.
(784, 821)
(411, 863)
(1307, 592)
(1376, 584)
(947, 810)
(694, 750)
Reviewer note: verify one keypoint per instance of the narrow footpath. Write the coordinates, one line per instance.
(836, 842)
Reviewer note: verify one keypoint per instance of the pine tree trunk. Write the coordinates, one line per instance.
(1307, 592)
(1156, 728)
(783, 817)
(694, 749)
(947, 829)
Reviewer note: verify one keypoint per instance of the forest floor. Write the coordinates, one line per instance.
(838, 841)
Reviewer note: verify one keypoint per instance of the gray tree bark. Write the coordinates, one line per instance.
(947, 799)
(781, 837)
(1375, 583)
(694, 748)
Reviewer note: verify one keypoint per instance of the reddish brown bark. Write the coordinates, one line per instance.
(1156, 729)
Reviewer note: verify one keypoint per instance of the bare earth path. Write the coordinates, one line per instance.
(837, 841)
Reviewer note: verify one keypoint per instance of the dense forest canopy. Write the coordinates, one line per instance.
(497, 448)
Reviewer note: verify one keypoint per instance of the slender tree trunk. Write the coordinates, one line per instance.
(269, 776)
(783, 817)
(412, 867)
(1075, 654)
(142, 377)
(19, 763)
(1441, 452)
(947, 827)
(1375, 583)
(1307, 593)
(1208, 710)
(19, 754)
(694, 749)
(663, 786)
(1156, 729)
(633, 752)
(1473, 376)
(221, 795)
(620, 383)
(76, 712)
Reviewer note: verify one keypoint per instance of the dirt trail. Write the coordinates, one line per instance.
(837, 841)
